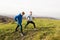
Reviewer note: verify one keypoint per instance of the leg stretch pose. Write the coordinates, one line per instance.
(29, 20)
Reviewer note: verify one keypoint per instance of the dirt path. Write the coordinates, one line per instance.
(29, 36)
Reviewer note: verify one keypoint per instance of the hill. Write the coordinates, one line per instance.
(5, 19)
(48, 29)
(9, 19)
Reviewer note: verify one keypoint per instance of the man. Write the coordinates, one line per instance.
(18, 19)
(29, 20)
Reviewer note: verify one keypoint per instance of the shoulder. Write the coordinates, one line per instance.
(28, 16)
(16, 16)
(19, 14)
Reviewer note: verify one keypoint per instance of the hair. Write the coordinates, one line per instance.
(23, 12)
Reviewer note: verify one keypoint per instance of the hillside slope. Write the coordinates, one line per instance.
(48, 29)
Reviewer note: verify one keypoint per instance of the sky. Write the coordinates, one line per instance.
(45, 8)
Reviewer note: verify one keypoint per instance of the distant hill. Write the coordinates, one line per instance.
(5, 19)
(8, 19)
(48, 18)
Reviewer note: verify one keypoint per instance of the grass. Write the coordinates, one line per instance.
(48, 29)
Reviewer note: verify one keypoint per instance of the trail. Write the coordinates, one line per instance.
(30, 35)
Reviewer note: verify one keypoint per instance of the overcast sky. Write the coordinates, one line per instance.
(49, 8)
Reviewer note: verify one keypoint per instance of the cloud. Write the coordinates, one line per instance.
(39, 7)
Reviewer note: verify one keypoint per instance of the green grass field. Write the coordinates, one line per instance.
(48, 29)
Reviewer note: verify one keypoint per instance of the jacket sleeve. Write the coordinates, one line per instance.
(15, 18)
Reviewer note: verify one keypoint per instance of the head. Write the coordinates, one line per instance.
(23, 13)
(30, 12)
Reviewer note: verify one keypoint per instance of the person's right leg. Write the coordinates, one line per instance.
(27, 24)
(21, 29)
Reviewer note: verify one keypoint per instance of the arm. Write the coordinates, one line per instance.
(27, 17)
(15, 18)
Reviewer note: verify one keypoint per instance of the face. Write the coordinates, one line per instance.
(30, 12)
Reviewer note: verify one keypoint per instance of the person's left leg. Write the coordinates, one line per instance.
(16, 28)
(33, 24)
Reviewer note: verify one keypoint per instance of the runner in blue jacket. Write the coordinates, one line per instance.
(18, 19)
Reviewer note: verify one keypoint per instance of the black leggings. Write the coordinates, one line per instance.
(31, 23)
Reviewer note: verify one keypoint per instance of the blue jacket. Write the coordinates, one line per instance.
(18, 19)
